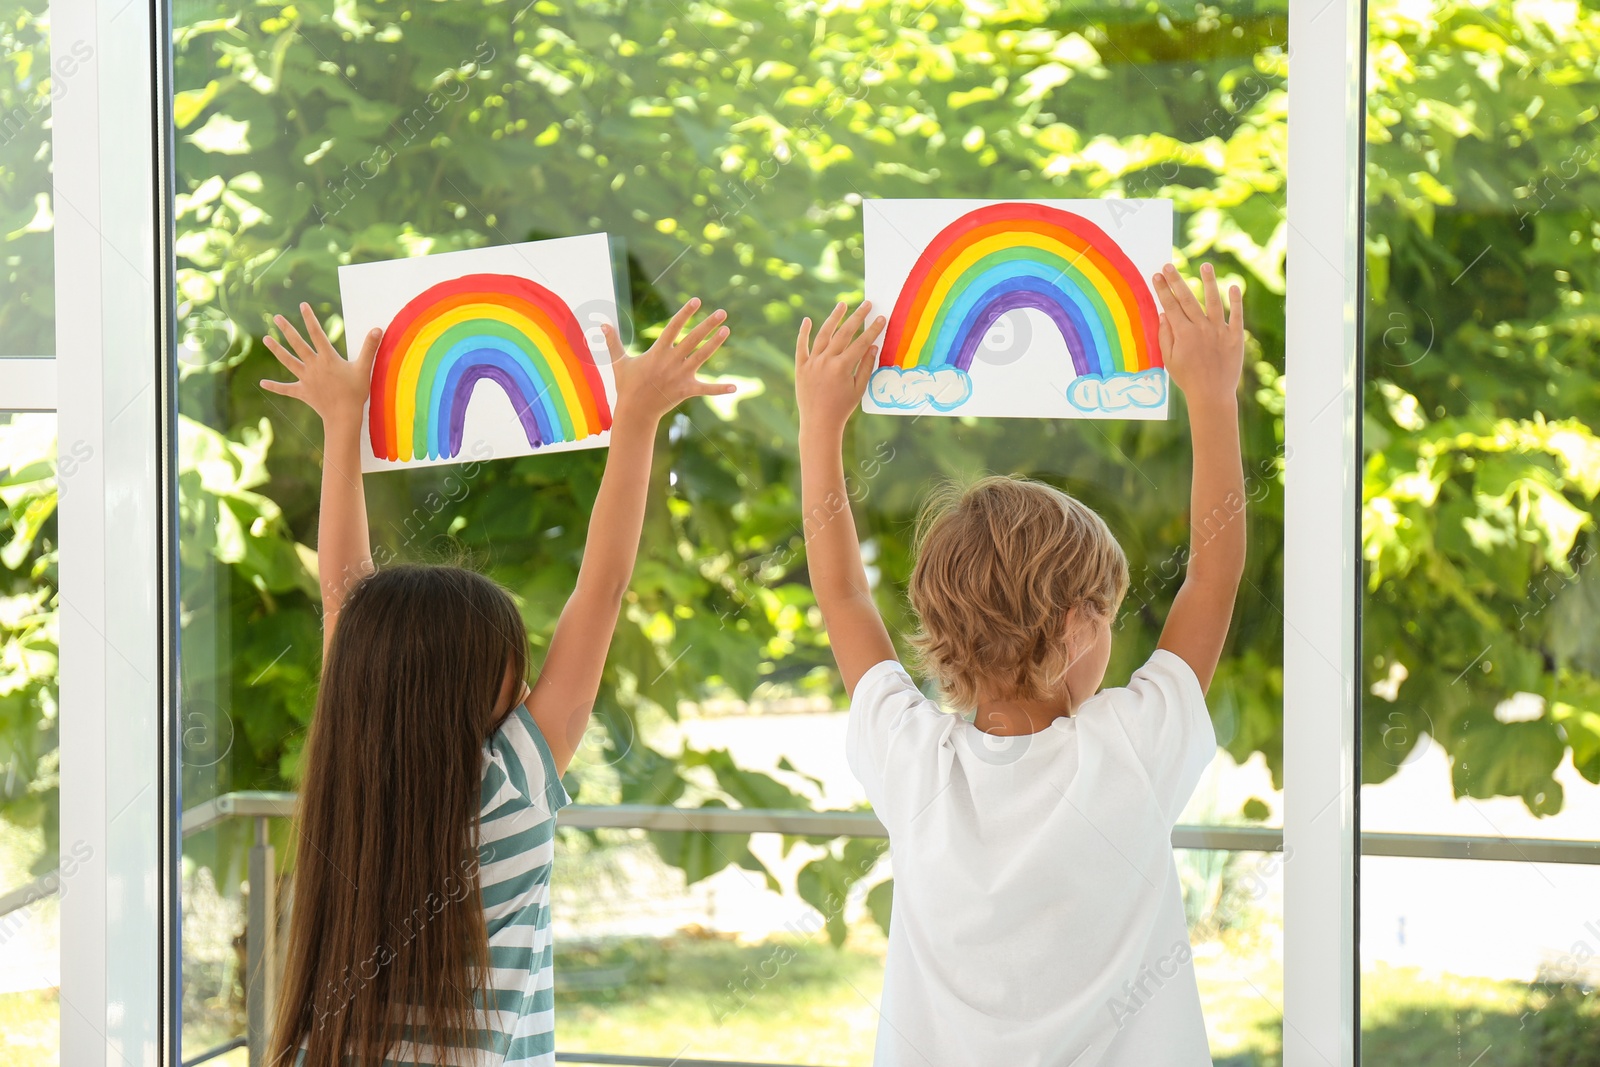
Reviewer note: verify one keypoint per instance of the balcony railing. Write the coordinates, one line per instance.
(260, 933)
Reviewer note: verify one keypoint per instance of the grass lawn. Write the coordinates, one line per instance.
(807, 1003)
(1414, 1019)
(788, 1001)
(30, 1033)
(803, 1002)
(1241, 994)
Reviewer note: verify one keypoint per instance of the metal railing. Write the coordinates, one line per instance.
(865, 824)
(261, 924)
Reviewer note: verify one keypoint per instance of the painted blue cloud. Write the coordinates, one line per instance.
(1118, 392)
(943, 389)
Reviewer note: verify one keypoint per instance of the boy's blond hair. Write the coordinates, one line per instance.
(998, 567)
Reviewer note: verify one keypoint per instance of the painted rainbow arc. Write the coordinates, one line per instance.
(1005, 257)
(498, 327)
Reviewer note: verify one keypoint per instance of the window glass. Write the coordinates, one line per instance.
(29, 762)
(729, 146)
(1482, 681)
(27, 217)
(32, 871)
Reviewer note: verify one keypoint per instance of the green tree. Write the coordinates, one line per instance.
(1482, 465)
(729, 147)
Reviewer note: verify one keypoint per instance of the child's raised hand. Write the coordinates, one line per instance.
(334, 387)
(651, 385)
(1203, 350)
(831, 373)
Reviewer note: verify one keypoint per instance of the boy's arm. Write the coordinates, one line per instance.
(1204, 353)
(830, 377)
(648, 387)
(336, 388)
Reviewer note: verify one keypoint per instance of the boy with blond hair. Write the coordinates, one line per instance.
(1038, 920)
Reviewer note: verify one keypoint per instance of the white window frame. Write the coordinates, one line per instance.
(1322, 534)
(112, 388)
(119, 914)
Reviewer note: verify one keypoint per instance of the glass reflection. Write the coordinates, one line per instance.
(729, 146)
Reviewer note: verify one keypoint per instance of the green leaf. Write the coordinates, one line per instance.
(188, 103)
(880, 902)
(1516, 759)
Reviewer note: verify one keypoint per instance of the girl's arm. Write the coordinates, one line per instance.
(336, 389)
(830, 375)
(648, 387)
(1204, 354)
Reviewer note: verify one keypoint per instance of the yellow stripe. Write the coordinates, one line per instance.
(999, 241)
(411, 365)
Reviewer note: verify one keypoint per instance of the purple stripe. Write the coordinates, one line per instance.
(1018, 300)
(463, 393)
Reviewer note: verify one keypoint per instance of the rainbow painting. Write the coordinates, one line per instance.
(477, 329)
(953, 343)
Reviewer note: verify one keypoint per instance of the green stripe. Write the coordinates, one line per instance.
(541, 1000)
(514, 767)
(554, 791)
(516, 844)
(509, 889)
(530, 1045)
(494, 779)
(516, 958)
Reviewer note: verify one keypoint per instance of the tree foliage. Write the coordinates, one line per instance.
(729, 145)
(1482, 466)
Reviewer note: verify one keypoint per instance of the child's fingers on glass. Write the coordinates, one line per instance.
(692, 339)
(1169, 300)
(853, 323)
(864, 369)
(802, 341)
(829, 326)
(1208, 281)
(704, 388)
(698, 356)
(674, 326)
(319, 337)
(866, 338)
(369, 347)
(292, 363)
(292, 335)
(613, 343)
(1185, 295)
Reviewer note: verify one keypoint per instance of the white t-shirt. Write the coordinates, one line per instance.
(1037, 917)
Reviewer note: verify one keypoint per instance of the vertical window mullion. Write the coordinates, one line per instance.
(1322, 535)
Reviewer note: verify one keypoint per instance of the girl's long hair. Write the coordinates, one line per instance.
(387, 942)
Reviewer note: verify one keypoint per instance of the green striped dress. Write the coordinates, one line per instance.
(516, 844)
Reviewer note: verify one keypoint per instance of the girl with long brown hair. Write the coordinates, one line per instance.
(420, 930)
